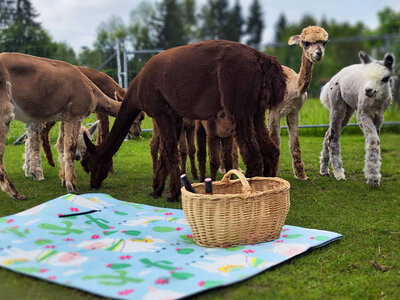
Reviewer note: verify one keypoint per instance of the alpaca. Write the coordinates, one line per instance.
(32, 165)
(217, 137)
(364, 88)
(110, 88)
(313, 40)
(185, 144)
(196, 81)
(36, 90)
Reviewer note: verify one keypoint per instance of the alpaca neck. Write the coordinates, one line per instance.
(305, 74)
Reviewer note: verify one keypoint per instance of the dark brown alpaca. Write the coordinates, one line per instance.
(185, 145)
(197, 81)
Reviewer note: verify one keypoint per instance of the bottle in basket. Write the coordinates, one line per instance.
(186, 183)
(208, 186)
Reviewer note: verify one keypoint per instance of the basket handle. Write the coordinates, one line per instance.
(227, 180)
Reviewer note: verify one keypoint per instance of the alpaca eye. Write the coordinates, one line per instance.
(306, 44)
(222, 115)
(385, 79)
(324, 43)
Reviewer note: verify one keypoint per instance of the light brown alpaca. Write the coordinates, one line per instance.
(36, 90)
(313, 40)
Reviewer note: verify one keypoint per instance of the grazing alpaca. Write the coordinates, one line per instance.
(32, 165)
(366, 88)
(197, 81)
(312, 40)
(110, 88)
(36, 90)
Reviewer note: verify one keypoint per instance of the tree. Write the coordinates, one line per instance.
(280, 28)
(235, 23)
(168, 25)
(26, 13)
(7, 13)
(255, 24)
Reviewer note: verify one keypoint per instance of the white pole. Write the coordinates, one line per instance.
(118, 62)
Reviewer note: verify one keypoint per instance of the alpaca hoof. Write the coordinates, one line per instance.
(324, 173)
(170, 199)
(374, 182)
(222, 171)
(154, 195)
(339, 174)
(302, 177)
(71, 189)
(18, 197)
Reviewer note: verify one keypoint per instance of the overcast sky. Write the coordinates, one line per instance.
(75, 21)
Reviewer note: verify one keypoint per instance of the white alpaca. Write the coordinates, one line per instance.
(144, 221)
(363, 87)
(288, 249)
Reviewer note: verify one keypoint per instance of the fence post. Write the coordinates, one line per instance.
(117, 47)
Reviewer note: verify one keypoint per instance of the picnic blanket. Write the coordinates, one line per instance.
(126, 250)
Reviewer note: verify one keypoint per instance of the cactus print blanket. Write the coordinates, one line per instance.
(124, 250)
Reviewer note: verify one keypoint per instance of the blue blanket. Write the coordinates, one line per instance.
(125, 250)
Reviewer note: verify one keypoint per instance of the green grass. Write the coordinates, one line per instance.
(368, 218)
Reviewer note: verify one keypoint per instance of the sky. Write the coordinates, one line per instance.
(76, 21)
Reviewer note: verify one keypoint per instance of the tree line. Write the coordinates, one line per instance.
(170, 23)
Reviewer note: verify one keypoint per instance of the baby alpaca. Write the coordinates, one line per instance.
(366, 88)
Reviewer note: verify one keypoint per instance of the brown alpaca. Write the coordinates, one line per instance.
(197, 81)
(110, 88)
(36, 90)
(312, 40)
(218, 126)
(217, 137)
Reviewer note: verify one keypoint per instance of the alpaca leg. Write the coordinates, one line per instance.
(324, 158)
(102, 131)
(372, 163)
(249, 147)
(192, 151)
(222, 168)
(201, 138)
(71, 131)
(5, 182)
(269, 150)
(170, 129)
(154, 148)
(27, 155)
(60, 148)
(274, 126)
(214, 154)
(292, 121)
(235, 155)
(336, 119)
(182, 152)
(32, 148)
(44, 138)
(226, 152)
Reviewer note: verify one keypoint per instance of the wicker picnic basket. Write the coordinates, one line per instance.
(241, 211)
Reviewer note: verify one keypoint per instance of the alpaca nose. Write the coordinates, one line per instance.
(77, 157)
(370, 92)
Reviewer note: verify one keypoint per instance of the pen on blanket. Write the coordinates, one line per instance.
(77, 214)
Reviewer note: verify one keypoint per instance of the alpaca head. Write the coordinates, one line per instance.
(224, 124)
(313, 40)
(377, 75)
(136, 129)
(81, 146)
(98, 168)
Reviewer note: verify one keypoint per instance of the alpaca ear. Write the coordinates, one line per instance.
(294, 40)
(365, 58)
(93, 128)
(388, 60)
(90, 148)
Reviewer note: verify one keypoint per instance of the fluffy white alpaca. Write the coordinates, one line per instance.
(364, 88)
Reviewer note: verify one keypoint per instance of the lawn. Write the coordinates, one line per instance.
(368, 218)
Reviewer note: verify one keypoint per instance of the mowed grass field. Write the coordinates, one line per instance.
(365, 264)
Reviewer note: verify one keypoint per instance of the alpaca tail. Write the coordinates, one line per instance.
(274, 82)
(324, 98)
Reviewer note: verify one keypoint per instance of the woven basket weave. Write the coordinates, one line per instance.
(242, 211)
